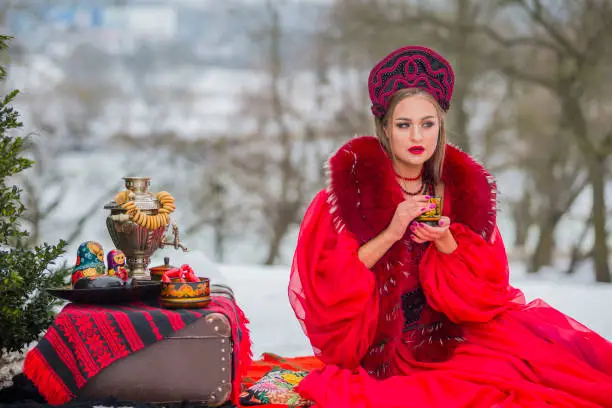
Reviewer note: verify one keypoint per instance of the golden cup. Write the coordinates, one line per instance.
(432, 217)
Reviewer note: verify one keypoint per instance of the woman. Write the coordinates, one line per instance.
(406, 314)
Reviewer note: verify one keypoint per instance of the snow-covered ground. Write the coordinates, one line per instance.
(262, 293)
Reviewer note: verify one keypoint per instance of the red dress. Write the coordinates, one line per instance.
(511, 354)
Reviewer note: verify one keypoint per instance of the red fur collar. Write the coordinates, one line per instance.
(363, 191)
(363, 195)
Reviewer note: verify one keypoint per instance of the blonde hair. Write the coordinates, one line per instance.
(433, 166)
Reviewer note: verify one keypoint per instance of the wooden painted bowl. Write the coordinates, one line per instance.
(432, 216)
(187, 295)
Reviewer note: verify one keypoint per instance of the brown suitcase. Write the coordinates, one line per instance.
(194, 365)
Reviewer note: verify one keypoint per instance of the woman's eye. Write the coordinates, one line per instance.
(428, 124)
(403, 125)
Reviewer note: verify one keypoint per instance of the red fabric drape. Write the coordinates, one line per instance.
(514, 354)
(470, 284)
(333, 297)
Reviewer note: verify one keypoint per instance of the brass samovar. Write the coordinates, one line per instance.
(136, 228)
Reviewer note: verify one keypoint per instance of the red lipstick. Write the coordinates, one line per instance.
(416, 149)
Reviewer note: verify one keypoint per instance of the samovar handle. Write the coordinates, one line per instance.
(176, 242)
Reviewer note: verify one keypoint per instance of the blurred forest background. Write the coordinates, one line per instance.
(234, 106)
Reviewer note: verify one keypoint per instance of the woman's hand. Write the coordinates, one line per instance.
(405, 213)
(441, 235)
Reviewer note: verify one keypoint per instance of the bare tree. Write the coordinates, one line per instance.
(280, 150)
(554, 172)
(572, 42)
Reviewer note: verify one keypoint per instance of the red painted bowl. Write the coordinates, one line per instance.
(185, 295)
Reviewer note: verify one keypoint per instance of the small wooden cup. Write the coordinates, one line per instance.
(185, 295)
(432, 217)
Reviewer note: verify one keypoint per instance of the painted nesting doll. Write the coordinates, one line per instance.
(115, 260)
(89, 262)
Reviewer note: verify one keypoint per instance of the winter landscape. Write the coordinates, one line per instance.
(234, 107)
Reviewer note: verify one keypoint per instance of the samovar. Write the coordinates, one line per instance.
(137, 241)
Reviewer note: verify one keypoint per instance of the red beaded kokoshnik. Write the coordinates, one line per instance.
(410, 67)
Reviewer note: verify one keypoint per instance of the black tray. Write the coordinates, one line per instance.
(138, 291)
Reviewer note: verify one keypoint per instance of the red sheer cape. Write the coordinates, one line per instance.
(515, 354)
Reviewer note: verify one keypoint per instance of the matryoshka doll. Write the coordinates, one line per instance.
(115, 260)
(89, 262)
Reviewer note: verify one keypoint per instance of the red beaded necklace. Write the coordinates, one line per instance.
(426, 184)
(410, 178)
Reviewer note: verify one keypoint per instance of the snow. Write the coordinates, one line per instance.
(204, 101)
(262, 293)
